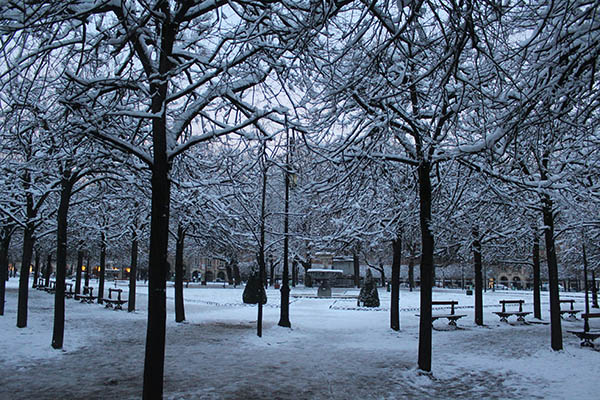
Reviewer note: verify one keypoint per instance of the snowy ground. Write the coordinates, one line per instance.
(333, 351)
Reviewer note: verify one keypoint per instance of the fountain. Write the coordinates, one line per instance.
(324, 276)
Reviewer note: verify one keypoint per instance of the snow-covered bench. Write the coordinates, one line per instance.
(587, 337)
(571, 311)
(505, 314)
(87, 296)
(452, 317)
(116, 303)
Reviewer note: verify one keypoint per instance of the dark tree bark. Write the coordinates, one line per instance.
(380, 268)
(78, 271)
(61, 260)
(356, 264)
(261, 250)
(478, 277)
(133, 272)
(307, 265)
(426, 267)
(537, 304)
(382, 272)
(101, 271)
(237, 278)
(36, 269)
(555, 324)
(411, 273)
(229, 272)
(24, 277)
(294, 272)
(594, 290)
(28, 242)
(179, 306)
(86, 281)
(154, 359)
(48, 270)
(271, 271)
(6, 233)
(395, 283)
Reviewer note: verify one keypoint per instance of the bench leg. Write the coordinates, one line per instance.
(520, 318)
(587, 343)
(452, 322)
(503, 319)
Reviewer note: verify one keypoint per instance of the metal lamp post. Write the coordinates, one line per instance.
(284, 319)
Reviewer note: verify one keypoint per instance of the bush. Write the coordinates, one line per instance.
(254, 290)
(368, 297)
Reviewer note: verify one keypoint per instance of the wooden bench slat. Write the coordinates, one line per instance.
(590, 315)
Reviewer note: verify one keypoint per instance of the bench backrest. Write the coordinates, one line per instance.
(567, 301)
(505, 302)
(119, 291)
(451, 303)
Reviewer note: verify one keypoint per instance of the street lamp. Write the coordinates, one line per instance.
(284, 319)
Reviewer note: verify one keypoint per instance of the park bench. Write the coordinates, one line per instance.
(69, 290)
(505, 314)
(571, 311)
(452, 317)
(40, 284)
(116, 303)
(51, 287)
(587, 337)
(87, 296)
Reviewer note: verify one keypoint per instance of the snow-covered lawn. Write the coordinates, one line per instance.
(333, 351)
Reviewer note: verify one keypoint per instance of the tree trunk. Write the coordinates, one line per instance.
(237, 278)
(261, 250)
(229, 272)
(78, 271)
(307, 265)
(411, 273)
(395, 283)
(36, 269)
(381, 270)
(179, 307)
(159, 216)
(356, 263)
(478, 277)
(294, 272)
(284, 315)
(133, 272)
(426, 267)
(4, 245)
(101, 271)
(555, 324)
(537, 304)
(61, 261)
(271, 271)
(24, 277)
(157, 270)
(48, 270)
(86, 281)
(594, 290)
